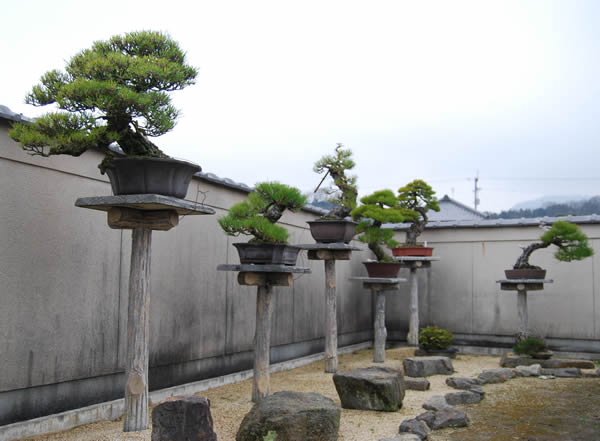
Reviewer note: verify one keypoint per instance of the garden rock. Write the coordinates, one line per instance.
(427, 366)
(291, 416)
(372, 388)
(415, 427)
(564, 372)
(404, 437)
(590, 373)
(512, 361)
(427, 417)
(446, 417)
(500, 375)
(436, 402)
(463, 397)
(463, 383)
(183, 418)
(533, 370)
(417, 384)
(450, 352)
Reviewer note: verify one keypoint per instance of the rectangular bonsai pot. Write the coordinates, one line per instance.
(420, 251)
(525, 273)
(267, 253)
(332, 231)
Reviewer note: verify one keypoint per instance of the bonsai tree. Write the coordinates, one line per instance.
(258, 215)
(116, 91)
(572, 244)
(344, 198)
(417, 198)
(529, 345)
(377, 209)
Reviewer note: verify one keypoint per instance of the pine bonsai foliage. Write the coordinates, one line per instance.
(257, 216)
(572, 244)
(419, 198)
(116, 91)
(377, 209)
(529, 346)
(432, 337)
(336, 166)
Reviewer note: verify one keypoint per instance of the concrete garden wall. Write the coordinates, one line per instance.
(64, 276)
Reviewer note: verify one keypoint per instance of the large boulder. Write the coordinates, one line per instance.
(499, 375)
(183, 418)
(532, 370)
(427, 366)
(291, 416)
(372, 388)
(415, 427)
(512, 361)
(563, 372)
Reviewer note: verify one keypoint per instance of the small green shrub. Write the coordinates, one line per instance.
(432, 337)
(529, 346)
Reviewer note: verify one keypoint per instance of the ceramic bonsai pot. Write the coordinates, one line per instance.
(267, 253)
(334, 230)
(525, 273)
(413, 251)
(382, 269)
(165, 176)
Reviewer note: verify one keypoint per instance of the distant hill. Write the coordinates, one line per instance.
(581, 207)
(546, 201)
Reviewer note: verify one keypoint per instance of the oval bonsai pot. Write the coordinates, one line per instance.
(525, 273)
(164, 176)
(267, 253)
(412, 250)
(388, 270)
(332, 230)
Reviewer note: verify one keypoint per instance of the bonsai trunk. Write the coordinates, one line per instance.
(378, 251)
(523, 260)
(135, 144)
(416, 228)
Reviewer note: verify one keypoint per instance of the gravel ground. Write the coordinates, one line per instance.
(230, 403)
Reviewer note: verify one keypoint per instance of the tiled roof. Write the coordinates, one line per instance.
(6, 113)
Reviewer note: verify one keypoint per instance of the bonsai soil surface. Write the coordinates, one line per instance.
(230, 403)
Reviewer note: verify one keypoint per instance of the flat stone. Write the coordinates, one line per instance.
(450, 352)
(291, 416)
(417, 384)
(427, 366)
(463, 397)
(183, 418)
(534, 370)
(404, 437)
(449, 417)
(590, 373)
(436, 402)
(563, 372)
(463, 383)
(415, 427)
(499, 375)
(372, 388)
(512, 361)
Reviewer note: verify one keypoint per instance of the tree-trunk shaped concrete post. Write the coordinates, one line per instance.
(262, 343)
(331, 343)
(413, 324)
(522, 311)
(379, 327)
(138, 320)
(140, 213)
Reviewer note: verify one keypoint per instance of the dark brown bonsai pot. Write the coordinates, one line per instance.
(165, 176)
(388, 270)
(332, 230)
(267, 253)
(525, 273)
(409, 250)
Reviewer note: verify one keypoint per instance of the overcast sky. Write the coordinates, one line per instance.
(433, 90)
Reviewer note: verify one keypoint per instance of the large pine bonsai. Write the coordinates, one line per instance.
(417, 197)
(257, 216)
(572, 244)
(377, 209)
(116, 91)
(344, 198)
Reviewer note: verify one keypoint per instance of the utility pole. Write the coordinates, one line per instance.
(476, 191)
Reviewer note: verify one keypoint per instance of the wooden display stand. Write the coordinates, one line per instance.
(414, 263)
(329, 253)
(378, 285)
(522, 286)
(142, 214)
(264, 277)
